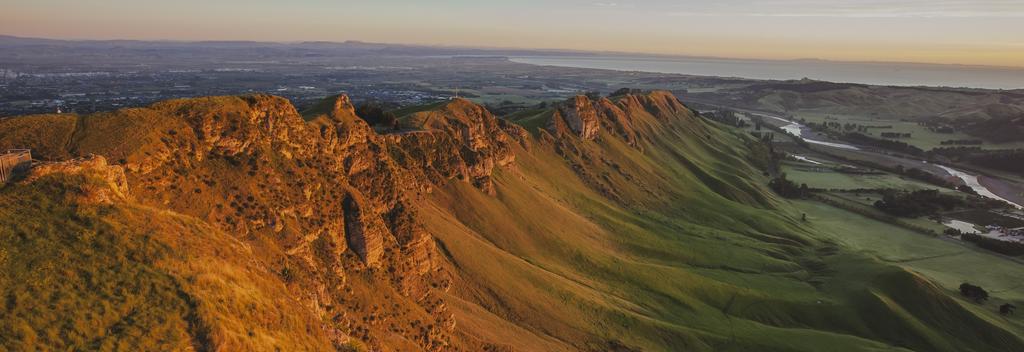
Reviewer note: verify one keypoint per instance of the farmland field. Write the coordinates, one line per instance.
(825, 178)
(948, 262)
(921, 137)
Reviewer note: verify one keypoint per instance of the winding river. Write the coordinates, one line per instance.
(970, 180)
(797, 129)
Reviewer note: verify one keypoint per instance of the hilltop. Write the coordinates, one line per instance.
(623, 223)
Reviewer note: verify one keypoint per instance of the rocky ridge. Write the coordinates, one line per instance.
(321, 191)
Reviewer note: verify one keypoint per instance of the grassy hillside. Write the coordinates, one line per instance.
(682, 266)
(122, 276)
(615, 225)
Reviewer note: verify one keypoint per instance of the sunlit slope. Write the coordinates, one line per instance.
(669, 261)
(86, 268)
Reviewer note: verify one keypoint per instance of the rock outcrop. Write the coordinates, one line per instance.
(458, 140)
(584, 118)
(109, 181)
(364, 230)
(323, 195)
(578, 116)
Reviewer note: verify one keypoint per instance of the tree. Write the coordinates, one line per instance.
(373, 113)
(1007, 309)
(976, 293)
(966, 189)
(786, 188)
(389, 119)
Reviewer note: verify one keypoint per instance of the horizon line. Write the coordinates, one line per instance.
(496, 48)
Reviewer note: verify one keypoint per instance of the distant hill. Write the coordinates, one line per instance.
(335, 48)
(626, 223)
(993, 115)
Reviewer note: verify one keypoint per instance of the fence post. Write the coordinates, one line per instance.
(3, 168)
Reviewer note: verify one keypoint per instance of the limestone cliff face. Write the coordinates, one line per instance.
(661, 104)
(325, 196)
(630, 118)
(458, 140)
(578, 116)
(585, 118)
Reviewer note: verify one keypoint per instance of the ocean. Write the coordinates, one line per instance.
(890, 74)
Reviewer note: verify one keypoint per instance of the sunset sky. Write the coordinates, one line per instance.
(984, 32)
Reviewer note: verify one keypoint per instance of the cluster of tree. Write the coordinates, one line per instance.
(374, 113)
(895, 135)
(762, 155)
(727, 117)
(903, 147)
(966, 189)
(1010, 160)
(955, 152)
(995, 245)
(759, 122)
(1007, 309)
(938, 126)
(917, 203)
(976, 293)
(844, 127)
(962, 142)
(1006, 160)
(766, 137)
(980, 295)
(924, 176)
(828, 125)
(951, 232)
(930, 202)
(787, 188)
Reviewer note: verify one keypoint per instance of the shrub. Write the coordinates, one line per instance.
(976, 293)
(787, 188)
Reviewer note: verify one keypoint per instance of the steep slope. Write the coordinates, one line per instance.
(625, 223)
(86, 268)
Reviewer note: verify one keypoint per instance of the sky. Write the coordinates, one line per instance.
(974, 32)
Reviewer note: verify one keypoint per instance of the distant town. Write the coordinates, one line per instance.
(36, 77)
